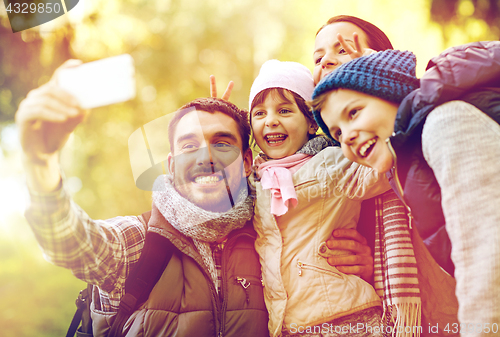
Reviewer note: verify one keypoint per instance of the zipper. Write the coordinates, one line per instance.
(398, 183)
(223, 305)
(215, 295)
(305, 266)
(243, 281)
(211, 285)
(245, 284)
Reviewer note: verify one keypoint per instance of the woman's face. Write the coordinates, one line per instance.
(361, 123)
(329, 53)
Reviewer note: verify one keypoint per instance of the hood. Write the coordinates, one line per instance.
(449, 75)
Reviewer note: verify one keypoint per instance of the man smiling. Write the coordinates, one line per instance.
(207, 146)
(211, 285)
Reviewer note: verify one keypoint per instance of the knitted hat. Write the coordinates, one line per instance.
(388, 74)
(287, 75)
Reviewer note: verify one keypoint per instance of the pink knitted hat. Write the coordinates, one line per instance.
(287, 75)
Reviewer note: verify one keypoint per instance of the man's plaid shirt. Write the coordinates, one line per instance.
(99, 252)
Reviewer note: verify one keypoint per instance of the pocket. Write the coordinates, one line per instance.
(305, 183)
(304, 267)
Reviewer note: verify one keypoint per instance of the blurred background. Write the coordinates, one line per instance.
(176, 45)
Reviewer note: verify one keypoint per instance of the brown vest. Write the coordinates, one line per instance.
(184, 302)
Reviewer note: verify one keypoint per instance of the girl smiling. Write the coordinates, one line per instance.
(305, 189)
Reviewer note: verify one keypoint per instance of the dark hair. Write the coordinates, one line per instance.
(282, 93)
(212, 105)
(375, 38)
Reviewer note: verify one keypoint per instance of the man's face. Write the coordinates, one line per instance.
(208, 166)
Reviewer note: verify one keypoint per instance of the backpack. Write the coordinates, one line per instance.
(154, 258)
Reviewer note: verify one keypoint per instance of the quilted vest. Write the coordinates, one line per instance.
(184, 302)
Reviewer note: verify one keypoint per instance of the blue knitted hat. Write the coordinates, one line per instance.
(388, 74)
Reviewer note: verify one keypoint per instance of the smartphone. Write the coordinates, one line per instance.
(99, 83)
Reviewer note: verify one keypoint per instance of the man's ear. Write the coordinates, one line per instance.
(247, 162)
(170, 161)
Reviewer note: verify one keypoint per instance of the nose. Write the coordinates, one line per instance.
(329, 61)
(272, 120)
(204, 156)
(349, 137)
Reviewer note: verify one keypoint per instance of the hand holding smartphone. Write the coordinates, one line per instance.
(99, 83)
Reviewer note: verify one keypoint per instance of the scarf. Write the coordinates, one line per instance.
(203, 226)
(395, 267)
(276, 174)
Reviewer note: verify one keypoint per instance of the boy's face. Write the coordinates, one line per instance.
(328, 53)
(279, 127)
(361, 123)
(208, 167)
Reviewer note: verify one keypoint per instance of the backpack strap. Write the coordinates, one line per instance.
(82, 314)
(155, 256)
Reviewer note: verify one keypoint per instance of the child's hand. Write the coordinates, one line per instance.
(354, 53)
(361, 263)
(213, 89)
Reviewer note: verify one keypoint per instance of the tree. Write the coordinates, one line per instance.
(479, 19)
(26, 61)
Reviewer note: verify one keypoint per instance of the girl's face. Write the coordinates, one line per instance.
(361, 123)
(328, 53)
(279, 127)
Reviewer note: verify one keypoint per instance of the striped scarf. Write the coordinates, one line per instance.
(395, 272)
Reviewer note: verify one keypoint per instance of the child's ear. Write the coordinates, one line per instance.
(313, 127)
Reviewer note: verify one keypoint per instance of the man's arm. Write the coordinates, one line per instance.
(46, 118)
(462, 146)
(99, 252)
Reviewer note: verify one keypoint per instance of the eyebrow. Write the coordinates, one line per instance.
(220, 134)
(225, 134)
(348, 106)
(185, 137)
(345, 110)
(280, 101)
(335, 45)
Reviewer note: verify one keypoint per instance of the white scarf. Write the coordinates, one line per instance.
(203, 226)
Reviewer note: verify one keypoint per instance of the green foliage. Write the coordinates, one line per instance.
(22, 66)
(37, 297)
(477, 19)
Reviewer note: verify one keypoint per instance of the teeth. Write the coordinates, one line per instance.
(207, 179)
(273, 139)
(366, 146)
